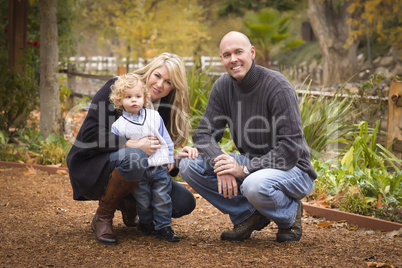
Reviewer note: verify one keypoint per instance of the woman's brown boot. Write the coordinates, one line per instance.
(102, 223)
(128, 208)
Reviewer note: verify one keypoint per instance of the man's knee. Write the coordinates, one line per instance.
(248, 188)
(252, 189)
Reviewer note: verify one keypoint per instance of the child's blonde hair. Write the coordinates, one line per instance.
(123, 82)
(178, 126)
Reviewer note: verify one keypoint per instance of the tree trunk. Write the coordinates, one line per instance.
(18, 19)
(50, 112)
(331, 30)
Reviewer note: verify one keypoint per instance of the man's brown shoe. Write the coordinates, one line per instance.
(243, 230)
(294, 233)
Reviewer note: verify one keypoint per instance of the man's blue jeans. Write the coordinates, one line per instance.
(274, 193)
(153, 197)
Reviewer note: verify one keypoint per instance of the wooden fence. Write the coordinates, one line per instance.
(109, 65)
(87, 84)
(101, 64)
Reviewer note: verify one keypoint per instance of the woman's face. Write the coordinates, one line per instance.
(159, 84)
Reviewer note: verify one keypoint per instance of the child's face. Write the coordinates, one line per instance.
(133, 100)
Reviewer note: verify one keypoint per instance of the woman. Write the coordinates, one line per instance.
(107, 167)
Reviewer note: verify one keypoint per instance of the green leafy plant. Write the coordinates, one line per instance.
(65, 94)
(11, 152)
(267, 29)
(31, 139)
(363, 151)
(356, 202)
(389, 213)
(361, 190)
(53, 150)
(332, 178)
(200, 83)
(324, 119)
(19, 96)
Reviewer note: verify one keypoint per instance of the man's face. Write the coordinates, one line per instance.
(237, 55)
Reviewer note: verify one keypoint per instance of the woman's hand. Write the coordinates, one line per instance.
(148, 144)
(170, 166)
(187, 151)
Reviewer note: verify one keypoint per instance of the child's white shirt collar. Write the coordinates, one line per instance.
(135, 117)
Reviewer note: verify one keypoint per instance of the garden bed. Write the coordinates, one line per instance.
(351, 218)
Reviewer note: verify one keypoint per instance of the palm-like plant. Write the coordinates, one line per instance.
(324, 120)
(267, 29)
(200, 84)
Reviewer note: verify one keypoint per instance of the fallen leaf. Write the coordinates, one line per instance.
(325, 224)
(394, 233)
(378, 264)
(61, 172)
(30, 171)
(322, 201)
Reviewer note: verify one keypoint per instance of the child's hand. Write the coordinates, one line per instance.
(148, 144)
(170, 166)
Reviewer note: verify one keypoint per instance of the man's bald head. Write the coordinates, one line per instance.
(234, 35)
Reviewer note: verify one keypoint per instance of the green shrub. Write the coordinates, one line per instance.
(11, 152)
(31, 139)
(356, 202)
(389, 213)
(19, 96)
(53, 150)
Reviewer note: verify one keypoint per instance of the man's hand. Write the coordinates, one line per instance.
(227, 170)
(227, 185)
(227, 165)
(148, 144)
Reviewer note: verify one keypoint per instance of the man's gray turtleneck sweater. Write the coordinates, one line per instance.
(264, 120)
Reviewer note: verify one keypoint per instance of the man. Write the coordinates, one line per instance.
(273, 171)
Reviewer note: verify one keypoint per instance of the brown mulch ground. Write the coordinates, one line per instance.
(42, 226)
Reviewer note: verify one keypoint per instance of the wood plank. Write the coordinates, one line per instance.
(394, 124)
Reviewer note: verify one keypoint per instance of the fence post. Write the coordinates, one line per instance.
(121, 70)
(394, 124)
(71, 80)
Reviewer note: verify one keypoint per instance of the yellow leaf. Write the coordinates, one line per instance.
(347, 160)
(325, 224)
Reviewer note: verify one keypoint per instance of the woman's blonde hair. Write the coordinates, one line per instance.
(123, 82)
(178, 125)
